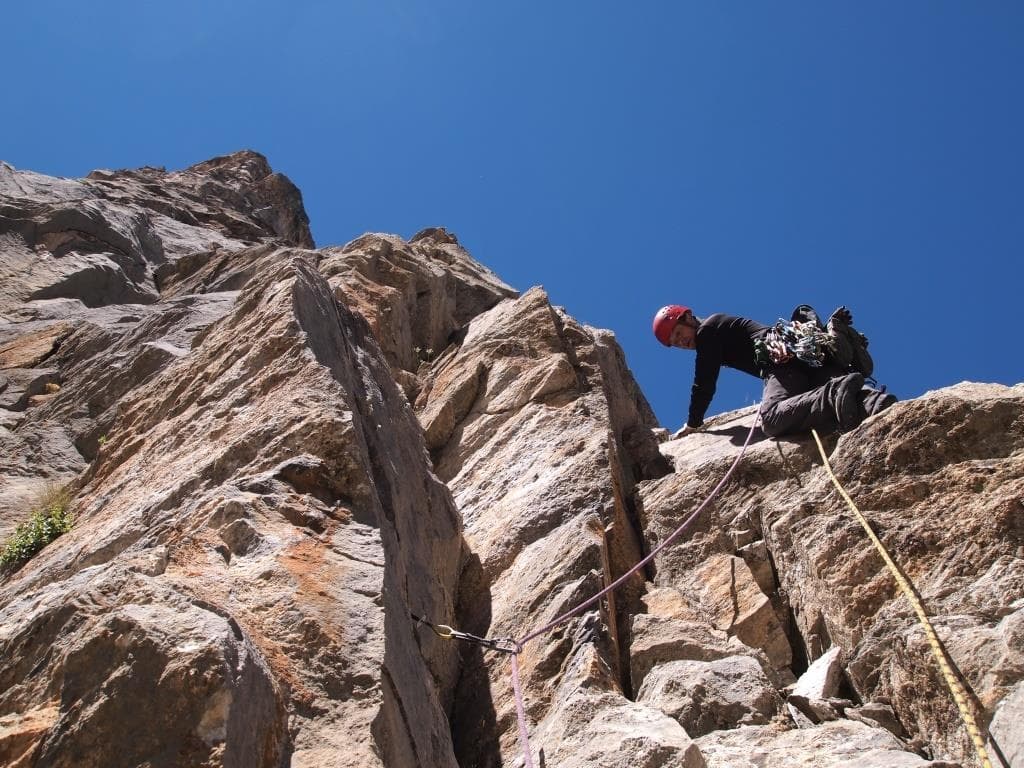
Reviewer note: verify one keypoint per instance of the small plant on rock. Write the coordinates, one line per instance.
(51, 516)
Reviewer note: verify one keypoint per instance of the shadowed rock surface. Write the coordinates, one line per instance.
(279, 454)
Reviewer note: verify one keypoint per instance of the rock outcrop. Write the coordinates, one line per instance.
(280, 455)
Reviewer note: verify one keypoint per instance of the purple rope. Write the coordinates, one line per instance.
(675, 534)
(524, 737)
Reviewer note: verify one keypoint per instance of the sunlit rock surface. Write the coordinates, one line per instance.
(279, 455)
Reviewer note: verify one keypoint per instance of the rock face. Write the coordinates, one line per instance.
(956, 449)
(292, 511)
(106, 239)
(280, 455)
(85, 263)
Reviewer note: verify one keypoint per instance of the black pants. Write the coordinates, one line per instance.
(798, 398)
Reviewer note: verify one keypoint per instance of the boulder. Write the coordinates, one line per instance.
(953, 449)
(733, 601)
(706, 696)
(819, 683)
(755, 555)
(591, 725)
(657, 640)
(416, 295)
(100, 240)
(30, 350)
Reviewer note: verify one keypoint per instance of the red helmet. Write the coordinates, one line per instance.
(666, 320)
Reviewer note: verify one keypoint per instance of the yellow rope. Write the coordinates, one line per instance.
(955, 688)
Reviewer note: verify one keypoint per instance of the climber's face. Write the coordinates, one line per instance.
(684, 335)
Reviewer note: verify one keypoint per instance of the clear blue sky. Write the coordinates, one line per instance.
(736, 157)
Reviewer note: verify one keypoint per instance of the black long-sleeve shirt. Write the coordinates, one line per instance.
(721, 340)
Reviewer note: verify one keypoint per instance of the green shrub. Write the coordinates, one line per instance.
(51, 516)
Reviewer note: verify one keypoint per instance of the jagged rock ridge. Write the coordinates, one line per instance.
(278, 453)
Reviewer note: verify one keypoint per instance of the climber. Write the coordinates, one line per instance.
(814, 378)
(719, 340)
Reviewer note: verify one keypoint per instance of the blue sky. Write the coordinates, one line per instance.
(736, 157)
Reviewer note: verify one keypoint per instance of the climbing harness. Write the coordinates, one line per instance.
(955, 688)
(502, 644)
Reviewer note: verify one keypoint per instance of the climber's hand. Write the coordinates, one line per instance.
(843, 315)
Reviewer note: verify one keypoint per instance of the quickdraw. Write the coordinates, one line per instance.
(784, 341)
(500, 644)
